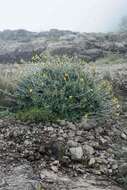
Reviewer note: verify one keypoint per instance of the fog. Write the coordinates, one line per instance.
(76, 15)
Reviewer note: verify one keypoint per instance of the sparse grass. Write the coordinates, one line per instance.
(9, 74)
(112, 59)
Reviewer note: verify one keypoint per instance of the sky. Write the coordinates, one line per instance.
(76, 15)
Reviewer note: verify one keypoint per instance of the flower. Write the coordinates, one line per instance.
(115, 100)
(86, 116)
(93, 69)
(117, 114)
(30, 90)
(118, 106)
(66, 77)
(70, 97)
(81, 79)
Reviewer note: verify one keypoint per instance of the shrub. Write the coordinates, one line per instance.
(35, 114)
(63, 91)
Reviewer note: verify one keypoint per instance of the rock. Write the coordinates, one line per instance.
(72, 143)
(115, 166)
(27, 143)
(110, 171)
(88, 150)
(76, 153)
(123, 169)
(50, 129)
(88, 125)
(71, 126)
(57, 149)
(87, 46)
(42, 149)
(71, 134)
(54, 168)
(123, 136)
(92, 161)
(62, 122)
(102, 141)
(56, 163)
(65, 160)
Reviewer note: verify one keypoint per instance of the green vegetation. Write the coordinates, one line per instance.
(62, 89)
(35, 114)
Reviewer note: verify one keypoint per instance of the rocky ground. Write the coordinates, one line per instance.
(60, 156)
(20, 44)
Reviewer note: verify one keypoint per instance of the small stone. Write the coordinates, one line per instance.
(79, 133)
(54, 168)
(76, 153)
(42, 149)
(110, 171)
(123, 136)
(61, 131)
(56, 162)
(103, 169)
(115, 166)
(92, 162)
(71, 126)
(50, 129)
(109, 150)
(62, 122)
(27, 142)
(65, 160)
(97, 172)
(71, 134)
(88, 149)
(72, 143)
(102, 140)
(88, 125)
(99, 130)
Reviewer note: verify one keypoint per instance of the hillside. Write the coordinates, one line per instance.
(21, 44)
(63, 122)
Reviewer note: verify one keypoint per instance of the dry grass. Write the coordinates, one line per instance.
(9, 75)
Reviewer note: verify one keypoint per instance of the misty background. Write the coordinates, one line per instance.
(76, 15)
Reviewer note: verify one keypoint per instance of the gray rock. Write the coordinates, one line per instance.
(88, 125)
(88, 150)
(92, 162)
(123, 136)
(76, 153)
(71, 126)
(72, 143)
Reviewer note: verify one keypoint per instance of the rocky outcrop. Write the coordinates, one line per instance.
(21, 44)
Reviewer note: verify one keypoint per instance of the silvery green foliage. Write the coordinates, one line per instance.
(61, 86)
